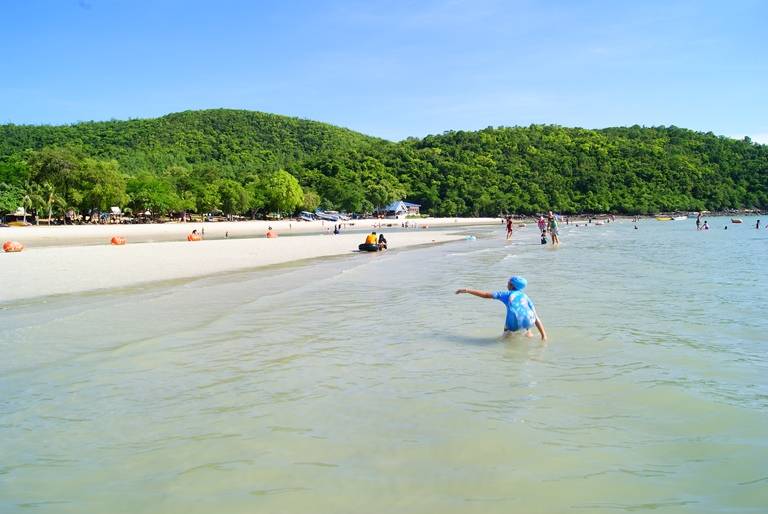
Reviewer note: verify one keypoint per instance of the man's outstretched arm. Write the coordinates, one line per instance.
(475, 292)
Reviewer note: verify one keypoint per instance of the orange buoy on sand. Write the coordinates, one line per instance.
(117, 240)
(12, 246)
(194, 236)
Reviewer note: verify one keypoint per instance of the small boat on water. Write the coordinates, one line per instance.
(680, 218)
(736, 220)
(663, 218)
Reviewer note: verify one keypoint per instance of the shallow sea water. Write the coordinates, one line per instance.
(363, 384)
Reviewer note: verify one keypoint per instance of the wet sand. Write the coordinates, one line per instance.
(52, 270)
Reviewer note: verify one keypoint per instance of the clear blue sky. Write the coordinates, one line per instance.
(392, 69)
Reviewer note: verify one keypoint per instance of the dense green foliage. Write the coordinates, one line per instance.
(245, 162)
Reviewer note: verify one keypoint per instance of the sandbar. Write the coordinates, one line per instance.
(55, 270)
(37, 236)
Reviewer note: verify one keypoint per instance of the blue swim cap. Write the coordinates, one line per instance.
(517, 282)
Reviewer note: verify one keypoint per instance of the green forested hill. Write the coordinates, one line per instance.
(226, 137)
(242, 161)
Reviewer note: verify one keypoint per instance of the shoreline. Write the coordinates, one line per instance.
(57, 270)
(39, 236)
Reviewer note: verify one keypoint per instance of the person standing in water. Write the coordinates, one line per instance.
(553, 230)
(521, 313)
(509, 227)
(757, 225)
(698, 221)
(542, 224)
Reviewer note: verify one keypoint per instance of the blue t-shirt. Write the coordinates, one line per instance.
(521, 314)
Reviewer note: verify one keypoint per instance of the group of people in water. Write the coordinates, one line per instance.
(521, 315)
(546, 226)
(705, 225)
(699, 226)
(549, 226)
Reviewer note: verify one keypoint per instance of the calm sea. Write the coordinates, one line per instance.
(363, 384)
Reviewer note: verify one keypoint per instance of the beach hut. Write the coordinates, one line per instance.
(395, 210)
(19, 217)
(413, 208)
(400, 209)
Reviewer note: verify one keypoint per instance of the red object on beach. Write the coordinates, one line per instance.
(271, 234)
(12, 246)
(117, 240)
(194, 237)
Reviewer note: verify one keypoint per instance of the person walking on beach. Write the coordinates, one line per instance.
(521, 313)
(553, 229)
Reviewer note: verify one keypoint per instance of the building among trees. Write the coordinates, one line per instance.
(400, 209)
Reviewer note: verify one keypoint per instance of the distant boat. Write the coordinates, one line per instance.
(679, 218)
(327, 215)
(664, 218)
(736, 220)
(307, 216)
(331, 216)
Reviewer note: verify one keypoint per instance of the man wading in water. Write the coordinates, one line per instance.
(521, 314)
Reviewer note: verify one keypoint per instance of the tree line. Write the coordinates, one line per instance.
(250, 163)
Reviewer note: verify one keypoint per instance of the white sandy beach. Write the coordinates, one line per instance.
(37, 236)
(51, 270)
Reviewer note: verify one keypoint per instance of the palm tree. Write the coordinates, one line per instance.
(32, 199)
(52, 197)
(25, 200)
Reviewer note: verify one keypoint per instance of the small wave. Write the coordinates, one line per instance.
(472, 252)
